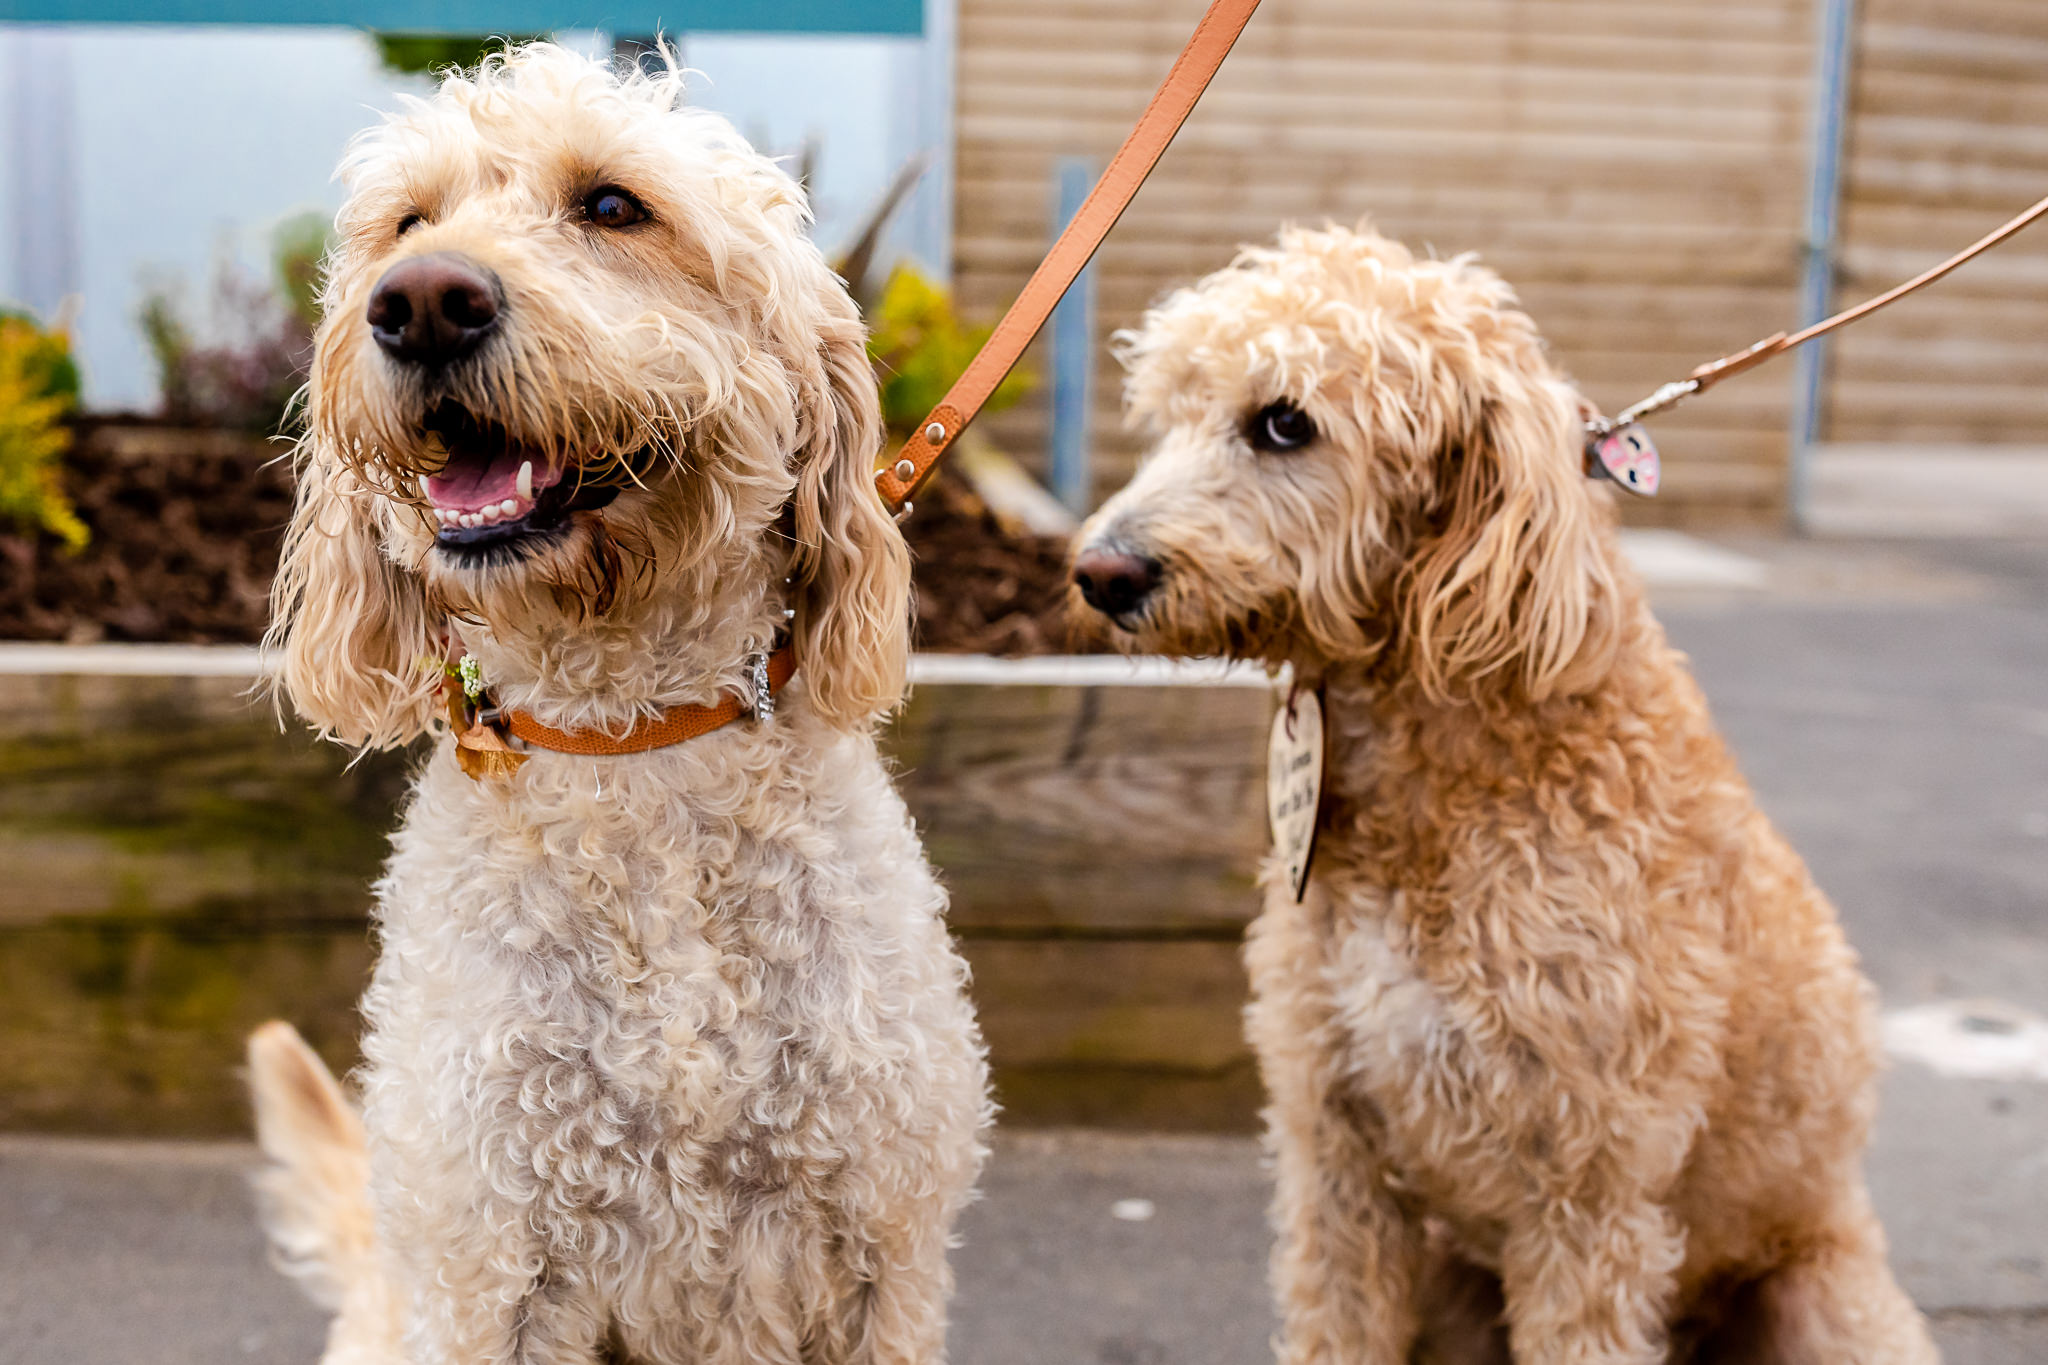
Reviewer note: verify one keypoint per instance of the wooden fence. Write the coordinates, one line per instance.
(1637, 170)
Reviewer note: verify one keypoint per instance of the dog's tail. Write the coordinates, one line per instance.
(314, 1190)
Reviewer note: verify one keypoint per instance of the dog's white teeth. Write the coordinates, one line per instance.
(484, 516)
(525, 481)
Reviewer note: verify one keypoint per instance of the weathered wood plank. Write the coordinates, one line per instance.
(1091, 808)
(1139, 1035)
(177, 870)
(169, 797)
(132, 1026)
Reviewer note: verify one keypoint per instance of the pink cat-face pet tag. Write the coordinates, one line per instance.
(1627, 456)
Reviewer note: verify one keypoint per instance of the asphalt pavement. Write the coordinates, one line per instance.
(1890, 704)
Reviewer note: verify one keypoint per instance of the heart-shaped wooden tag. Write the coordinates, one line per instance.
(1294, 783)
(481, 751)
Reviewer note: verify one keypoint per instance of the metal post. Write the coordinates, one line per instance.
(1073, 354)
(923, 77)
(1817, 282)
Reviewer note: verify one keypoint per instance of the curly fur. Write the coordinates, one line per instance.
(669, 1057)
(1562, 1031)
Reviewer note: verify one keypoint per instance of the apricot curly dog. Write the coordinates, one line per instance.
(1568, 1059)
(669, 1057)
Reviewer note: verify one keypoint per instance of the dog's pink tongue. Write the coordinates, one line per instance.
(466, 485)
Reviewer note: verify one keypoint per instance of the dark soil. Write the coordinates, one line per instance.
(186, 526)
(185, 530)
(980, 588)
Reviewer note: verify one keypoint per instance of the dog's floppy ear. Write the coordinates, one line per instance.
(851, 569)
(1510, 574)
(350, 630)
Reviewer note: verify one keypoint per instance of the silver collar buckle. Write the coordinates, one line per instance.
(764, 695)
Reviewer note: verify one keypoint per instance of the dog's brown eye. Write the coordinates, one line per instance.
(1281, 426)
(612, 207)
(408, 223)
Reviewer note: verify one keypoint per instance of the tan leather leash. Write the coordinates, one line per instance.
(1163, 117)
(482, 731)
(1631, 461)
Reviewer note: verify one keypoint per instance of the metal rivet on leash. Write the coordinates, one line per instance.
(905, 469)
(935, 433)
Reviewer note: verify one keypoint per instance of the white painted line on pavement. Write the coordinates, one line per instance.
(1672, 559)
(1986, 1040)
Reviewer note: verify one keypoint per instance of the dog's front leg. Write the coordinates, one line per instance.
(489, 1307)
(1588, 1280)
(1346, 1260)
(905, 1316)
(1345, 1264)
(475, 1284)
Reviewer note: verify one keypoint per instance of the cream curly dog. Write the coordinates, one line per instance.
(1562, 1038)
(669, 1057)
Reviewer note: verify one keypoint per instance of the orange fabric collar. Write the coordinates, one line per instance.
(677, 724)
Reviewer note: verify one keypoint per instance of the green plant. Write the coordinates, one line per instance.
(247, 379)
(46, 356)
(169, 341)
(429, 54)
(297, 249)
(920, 346)
(38, 389)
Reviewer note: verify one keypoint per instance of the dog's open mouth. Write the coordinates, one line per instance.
(495, 491)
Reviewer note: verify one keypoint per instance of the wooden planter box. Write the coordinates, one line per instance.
(174, 869)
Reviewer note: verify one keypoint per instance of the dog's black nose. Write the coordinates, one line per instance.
(433, 310)
(1115, 581)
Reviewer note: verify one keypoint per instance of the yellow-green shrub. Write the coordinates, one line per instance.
(38, 388)
(920, 345)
